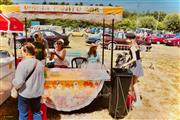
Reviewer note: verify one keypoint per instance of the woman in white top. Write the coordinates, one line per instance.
(137, 68)
(59, 55)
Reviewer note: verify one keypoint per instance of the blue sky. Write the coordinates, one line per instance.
(131, 5)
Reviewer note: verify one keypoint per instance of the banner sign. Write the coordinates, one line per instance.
(91, 13)
(68, 9)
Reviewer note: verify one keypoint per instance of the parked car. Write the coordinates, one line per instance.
(159, 39)
(120, 41)
(94, 38)
(173, 41)
(4, 54)
(77, 33)
(50, 35)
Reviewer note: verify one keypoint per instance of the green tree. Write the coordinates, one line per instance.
(62, 3)
(172, 22)
(125, 24)
(5, 2)
(160, 26)
(81, 3)
(127, 14)
(156, 14)
(147, 22)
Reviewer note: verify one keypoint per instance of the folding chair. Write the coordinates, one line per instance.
(78, 61)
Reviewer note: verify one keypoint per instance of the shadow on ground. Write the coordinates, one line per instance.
(9, 111)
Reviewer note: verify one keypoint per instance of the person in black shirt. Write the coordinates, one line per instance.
(40, 47)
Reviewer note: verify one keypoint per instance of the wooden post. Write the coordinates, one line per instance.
(26, 28)
(112, 46)
(15, 53)
(103, 42)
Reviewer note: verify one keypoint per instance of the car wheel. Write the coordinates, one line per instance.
(158, 42)
(97, 42)
(110, 46)
(178, 43)
(18, 45)
(174, 43)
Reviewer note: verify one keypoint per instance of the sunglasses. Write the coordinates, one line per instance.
(58, 43)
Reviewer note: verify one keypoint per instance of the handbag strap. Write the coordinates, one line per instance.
(31, 72)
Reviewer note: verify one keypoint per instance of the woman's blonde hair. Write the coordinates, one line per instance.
(39, 37)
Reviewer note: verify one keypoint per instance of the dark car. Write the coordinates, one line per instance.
(121, 42)
(49, 35)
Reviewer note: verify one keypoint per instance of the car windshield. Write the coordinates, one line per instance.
(4, 54)
(119, 35)
(168, 36)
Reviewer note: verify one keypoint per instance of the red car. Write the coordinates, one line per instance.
(121, 42)
(160, 39)
(173, 41)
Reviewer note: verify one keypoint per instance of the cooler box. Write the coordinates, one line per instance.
(7, 70)
(43, 112)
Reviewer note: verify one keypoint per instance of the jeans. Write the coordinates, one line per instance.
(25, 103)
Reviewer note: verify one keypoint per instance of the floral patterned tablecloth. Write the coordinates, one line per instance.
(72, 93)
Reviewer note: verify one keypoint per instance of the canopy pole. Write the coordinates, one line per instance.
(26, 28)
(112, 46)
(15, 53)
(103, 41)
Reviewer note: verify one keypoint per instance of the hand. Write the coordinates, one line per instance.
(53, 52)
(124, 65)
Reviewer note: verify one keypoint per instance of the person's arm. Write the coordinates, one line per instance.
(20, 76)
(98, 58)
(47, 47)
(45, 53)
(62, 56)
(133, 50)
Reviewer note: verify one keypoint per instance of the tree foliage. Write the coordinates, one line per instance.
(160, 26)
(156, 14)
(70, 23)
(172, 22)
(5, 2)
(125, 24)
(147, 22)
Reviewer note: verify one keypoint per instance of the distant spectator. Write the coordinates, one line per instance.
(92, 55)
